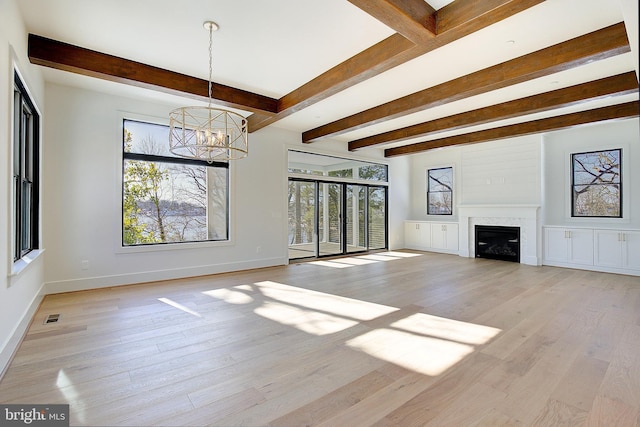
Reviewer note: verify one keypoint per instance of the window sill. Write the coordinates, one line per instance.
(173, 246)
(19, 266)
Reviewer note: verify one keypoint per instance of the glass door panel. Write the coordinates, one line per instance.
(302, 219)
(329, 219)
(356, 218)
(377, 230)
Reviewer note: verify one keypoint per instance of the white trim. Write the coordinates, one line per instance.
(16, 267)
(15, 338)
(21, 265)
(157, 275)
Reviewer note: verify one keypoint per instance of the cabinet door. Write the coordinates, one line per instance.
(556, 244)
(416, 235)
(452, 237)
(411, 235)
(439, 236)
(631, 250)
(581, 246)
(608, 248)
(425, 235)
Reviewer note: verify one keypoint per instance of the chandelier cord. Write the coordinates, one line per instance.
(210, 63)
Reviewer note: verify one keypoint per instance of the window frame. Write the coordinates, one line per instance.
(122, 247)
(573, 185)
(25, 172)
(429, 190)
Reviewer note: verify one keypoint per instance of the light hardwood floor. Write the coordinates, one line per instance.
(398, 338)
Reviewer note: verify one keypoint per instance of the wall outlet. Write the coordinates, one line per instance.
(258, 249)
(84, 264)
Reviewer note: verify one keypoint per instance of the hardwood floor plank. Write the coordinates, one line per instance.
(612, 412)
(339, 400)
(556, 413)
(420, 339)
(578, 388)
(425, 406)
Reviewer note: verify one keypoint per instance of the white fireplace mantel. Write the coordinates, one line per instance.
(527, 217)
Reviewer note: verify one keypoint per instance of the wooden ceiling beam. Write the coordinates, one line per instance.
(601, 44)
(621, 84)
(414, 19)
(391, 52)
(67, 57)
(613, 112)
(461, 12)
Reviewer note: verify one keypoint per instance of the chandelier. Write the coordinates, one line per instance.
(207, 133)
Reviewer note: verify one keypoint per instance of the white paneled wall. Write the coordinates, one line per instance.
(502, 172)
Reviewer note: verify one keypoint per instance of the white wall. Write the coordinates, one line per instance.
(502, 172)
(498, 172)
(82, 171)
(19, 294)
(558, 147)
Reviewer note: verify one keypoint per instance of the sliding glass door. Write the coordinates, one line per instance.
(330, 216)
(377, 218)
(334, 218)
(302, 219)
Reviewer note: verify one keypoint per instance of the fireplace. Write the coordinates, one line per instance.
(497, 242)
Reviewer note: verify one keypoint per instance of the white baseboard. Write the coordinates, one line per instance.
(157, 275)
(12, 344)
(592, 268)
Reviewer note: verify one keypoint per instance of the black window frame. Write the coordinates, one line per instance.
(25, 171)
(430, 192)
(574, 185)
(172, 160)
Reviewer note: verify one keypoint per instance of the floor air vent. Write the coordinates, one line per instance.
(52, 318)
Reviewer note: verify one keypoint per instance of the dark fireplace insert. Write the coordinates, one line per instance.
(498, 242)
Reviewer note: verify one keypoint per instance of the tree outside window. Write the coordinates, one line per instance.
(597, 184)
(166, 198)
(440, 191)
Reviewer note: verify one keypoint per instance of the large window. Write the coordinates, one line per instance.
(25, 172)
(440, 191)
(166, 198)
(596, 184)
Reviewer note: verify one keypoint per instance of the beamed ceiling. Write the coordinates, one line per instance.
(404, 76)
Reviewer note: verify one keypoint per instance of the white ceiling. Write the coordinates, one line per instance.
(273, 47)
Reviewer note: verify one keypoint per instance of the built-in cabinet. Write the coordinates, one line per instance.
(569, 245)
(431, 236)
(616, 251)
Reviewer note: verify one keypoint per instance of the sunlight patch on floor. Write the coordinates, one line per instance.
(309, 321)
(420, 342)
(328, 303)
(232, 296)
(424, 343)
(332, 264)
(314, 312)
(66, 387)
(425, 355)
(354, 261)
(399, 254)
(378, 257)
(448, 329)
(363, 259)
(179, 306)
